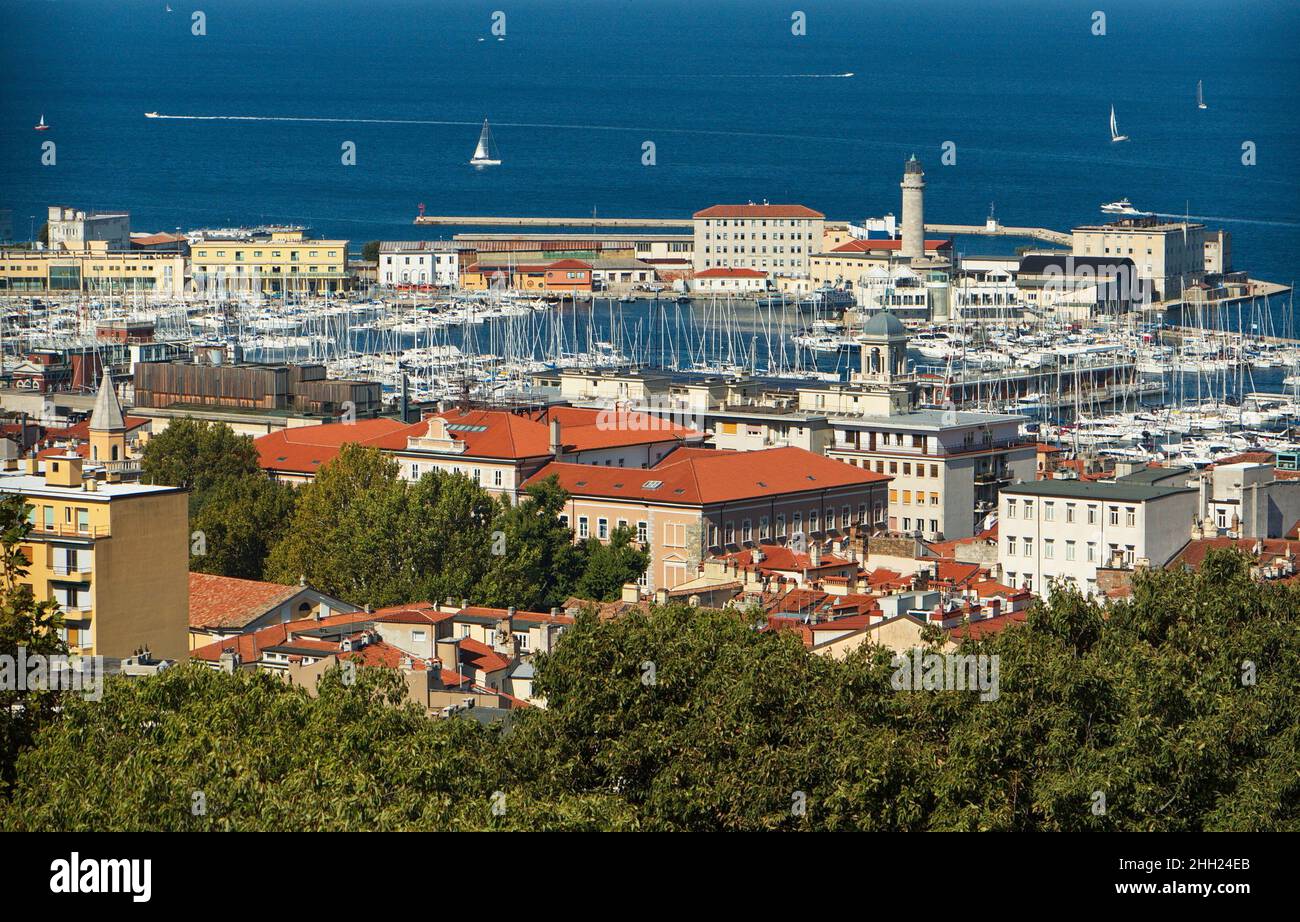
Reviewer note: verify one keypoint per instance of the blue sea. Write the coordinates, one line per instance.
(739, 108)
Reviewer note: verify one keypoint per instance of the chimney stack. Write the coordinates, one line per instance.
(556, 445)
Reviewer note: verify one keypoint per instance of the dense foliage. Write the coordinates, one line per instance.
(1180, 708)
(26, 625)
(363, 534)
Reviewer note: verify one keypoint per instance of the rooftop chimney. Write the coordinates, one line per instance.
(556, 445)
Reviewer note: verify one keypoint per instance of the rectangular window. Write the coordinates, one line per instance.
(1092, 515)
(642, 532)
(1114, 515)
(1049, 512)
(1069, 550)
(1130, 517)
(1069, 512)
(582, 526)
(1049, 548)
(602, 529)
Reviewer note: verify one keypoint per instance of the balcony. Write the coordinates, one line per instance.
(68, 530)
(71, 573)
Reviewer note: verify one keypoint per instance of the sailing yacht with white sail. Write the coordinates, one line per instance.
(1200, 96)
(486, 153)
(1114, 129)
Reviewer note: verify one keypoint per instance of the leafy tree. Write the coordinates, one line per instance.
(198, 455)
(363, 534)
(240, 522)
(26, 624)
(540, 565)
(370, 251)
(1180, 707)
(611, 565)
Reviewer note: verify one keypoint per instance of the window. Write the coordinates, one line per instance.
(1049, 512)
(1069, 512)
(496, 478)
(417, 636)
(1092, 552)
(1069, 550)
(642, 532)
(1114, 515)
(1029, 508)
(747, 531)
(1130, 516)
(1092, 515)
(812, 520)
(1011, 547)
(1028, 544)
(602, 528)
(582, 526)
(1011, 508)
(796, 523)
(1049, 548)
(730, 533)
(780, 525)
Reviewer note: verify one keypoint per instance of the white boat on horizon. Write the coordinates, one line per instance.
(1200, 96)
(485, 154)
(1115, 136)
(1123, 206)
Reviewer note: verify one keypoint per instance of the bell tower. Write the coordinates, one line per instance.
(107, 425)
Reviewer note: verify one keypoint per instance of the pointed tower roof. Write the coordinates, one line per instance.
(107, 415)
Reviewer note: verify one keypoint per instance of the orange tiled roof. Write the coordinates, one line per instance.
(887, 243)
(700, 476)
(303, 449)
(223, 601)
(758, 211)
(722, 272)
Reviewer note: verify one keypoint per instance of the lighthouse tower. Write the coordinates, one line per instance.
(913, 186)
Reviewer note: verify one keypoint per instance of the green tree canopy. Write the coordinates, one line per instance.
(238, 525)
(198, 455)
(363, 534)
(28, 624)
(1180, 707)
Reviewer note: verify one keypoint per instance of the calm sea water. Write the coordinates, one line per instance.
(738, 107)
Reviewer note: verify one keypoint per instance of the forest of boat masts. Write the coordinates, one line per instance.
(1141, 384)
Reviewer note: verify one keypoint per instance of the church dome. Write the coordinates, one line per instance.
(884, 324)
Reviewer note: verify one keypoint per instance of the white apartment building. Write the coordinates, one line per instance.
(418, 262)
(1067, 529)
(777, 239)
(72, 229)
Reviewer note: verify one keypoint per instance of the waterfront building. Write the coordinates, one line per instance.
(73, 230)
(776, 239)
(1081, 287)
(258, 389)
(1170, 255)
(721, 280)
(849, 260)
(946, 465)
(699, 502)
(419, 263)
(94, 269)
(1070, 529)
(283, 261)
(114, 555)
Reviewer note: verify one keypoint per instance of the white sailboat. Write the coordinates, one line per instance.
(1114, 129)
(1200, 96)
(486, 153)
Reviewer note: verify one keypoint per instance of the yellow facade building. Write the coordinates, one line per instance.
(286, 261)
(115, 556)
(96, 270)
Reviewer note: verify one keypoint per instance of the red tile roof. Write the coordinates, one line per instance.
(725, 273)
(226, 602)
(986, 626)
(250, 646)
(699, 476)
(303, 449)
(785, 558)
(895, 243)
(758, 211)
